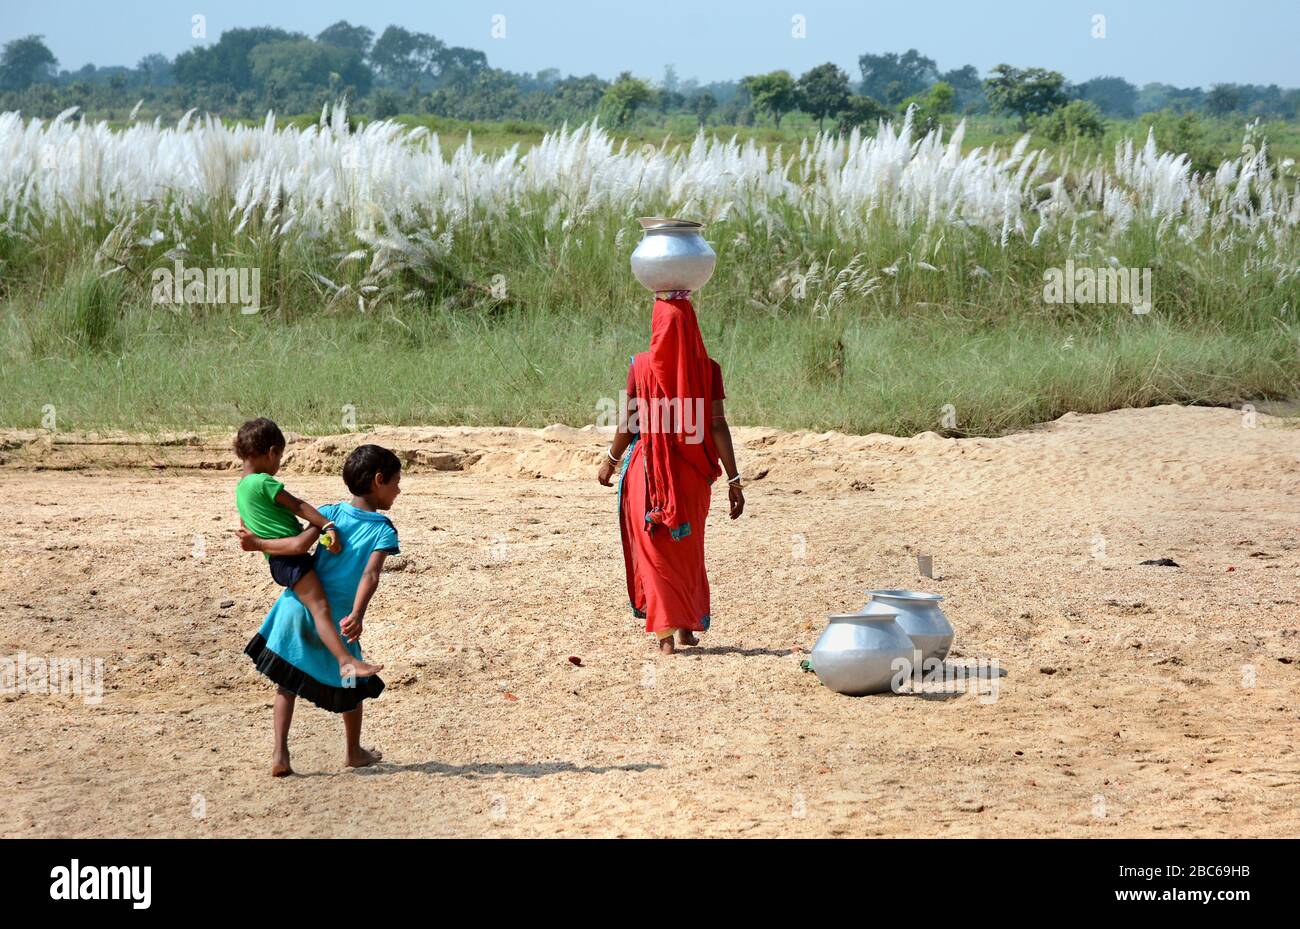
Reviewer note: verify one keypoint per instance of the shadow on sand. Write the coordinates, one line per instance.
(732, 650)
(510, 769)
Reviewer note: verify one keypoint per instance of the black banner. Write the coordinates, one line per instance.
(269, 878)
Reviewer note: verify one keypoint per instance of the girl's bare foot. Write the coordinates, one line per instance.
(355, 667)
(363, 757)
(280, 765)
(686, 637)
(666, 646)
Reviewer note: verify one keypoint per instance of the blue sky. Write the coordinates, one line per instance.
(1183, 42)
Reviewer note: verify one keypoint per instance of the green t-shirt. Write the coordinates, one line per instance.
(255, 497)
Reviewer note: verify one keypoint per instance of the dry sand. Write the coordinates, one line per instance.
(1124, 708)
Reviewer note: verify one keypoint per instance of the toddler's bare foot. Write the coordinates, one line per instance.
(666, 646)
(363, 757)
(280, 765)
(686, 637)
(356, 668)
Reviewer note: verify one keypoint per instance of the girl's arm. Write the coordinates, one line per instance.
(305, 510)
(291, 545)
(351, 624)
(727, 454)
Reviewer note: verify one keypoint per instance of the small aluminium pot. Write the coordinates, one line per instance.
(920, 617)
(856, 654)
(672, 255)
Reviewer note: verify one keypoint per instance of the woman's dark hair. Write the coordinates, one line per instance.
(257, 437)
(364, 463)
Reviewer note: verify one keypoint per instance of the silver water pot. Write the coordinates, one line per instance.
(856, 654)
(672, 255)
(918, 614)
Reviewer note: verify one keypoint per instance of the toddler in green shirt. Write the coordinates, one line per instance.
(270, 512)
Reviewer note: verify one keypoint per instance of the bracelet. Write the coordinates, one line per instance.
(734, 480)
(329, 525)
(610, 455)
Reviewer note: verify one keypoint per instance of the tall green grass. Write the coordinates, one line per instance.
(863, 326)
(859, 373)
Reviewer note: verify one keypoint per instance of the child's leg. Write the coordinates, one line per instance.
(358, 757)
(312, 594)
(284, 702)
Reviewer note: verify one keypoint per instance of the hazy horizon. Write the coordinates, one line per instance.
(1195, 44)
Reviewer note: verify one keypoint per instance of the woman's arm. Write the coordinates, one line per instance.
(622, 439)
(727, 454)
(352, 624)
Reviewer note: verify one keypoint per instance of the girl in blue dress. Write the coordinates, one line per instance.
(287, 649)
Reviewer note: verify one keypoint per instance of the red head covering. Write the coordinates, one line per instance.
(674, 390)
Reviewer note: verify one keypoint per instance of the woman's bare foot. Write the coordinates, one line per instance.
(280, 765)
(355, 667)
(363, 757)
(666, 646)
(686, 637)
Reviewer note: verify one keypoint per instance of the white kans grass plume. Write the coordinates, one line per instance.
(394, 191)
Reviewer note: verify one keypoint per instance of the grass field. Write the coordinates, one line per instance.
(892, 284)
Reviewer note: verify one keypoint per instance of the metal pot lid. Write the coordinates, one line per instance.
(881, 616)
(903, 595)
(661, 222)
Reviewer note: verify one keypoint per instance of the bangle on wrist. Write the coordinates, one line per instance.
(734, 480)
(609, 453)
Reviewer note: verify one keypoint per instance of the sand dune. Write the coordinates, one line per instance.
(1136, 700)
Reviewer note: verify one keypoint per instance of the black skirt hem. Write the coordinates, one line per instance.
(334, 699)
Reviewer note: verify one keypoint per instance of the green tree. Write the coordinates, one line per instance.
(1078, 119)
(460, 67)
(1114, 96)
(891, 77)
(579, 96)
(1028, 92)
(345, 35)
(26, 61)
(624, 97)
(384, 103)
(155, 70)
(702, 105)
(774, 93)
(968, 86)
(931, 107)
(861, 112)
(1223, 99)
(227, 62)
(304, 68)
(823, 91)
(401, 58)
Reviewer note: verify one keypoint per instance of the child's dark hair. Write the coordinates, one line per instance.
(364, 463)
(257, 437)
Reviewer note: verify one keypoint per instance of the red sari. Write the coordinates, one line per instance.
(664, 491)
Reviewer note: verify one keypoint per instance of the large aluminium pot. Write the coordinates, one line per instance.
(856, 654)
(672, 255)
(920, 617)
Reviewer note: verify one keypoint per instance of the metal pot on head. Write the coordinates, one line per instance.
(918, 614)
(856, 654)
(672, 255)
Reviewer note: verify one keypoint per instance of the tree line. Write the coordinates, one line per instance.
(249, 71)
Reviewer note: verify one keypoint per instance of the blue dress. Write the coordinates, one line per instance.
(287, 649)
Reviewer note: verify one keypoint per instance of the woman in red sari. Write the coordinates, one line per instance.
(678, 433)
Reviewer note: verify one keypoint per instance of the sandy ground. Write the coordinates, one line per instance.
(1133, 700)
